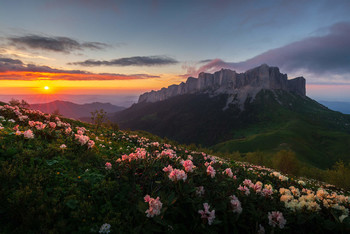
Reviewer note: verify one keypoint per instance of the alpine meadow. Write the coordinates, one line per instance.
(187, 116)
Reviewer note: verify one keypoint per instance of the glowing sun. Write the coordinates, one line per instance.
(46, 87)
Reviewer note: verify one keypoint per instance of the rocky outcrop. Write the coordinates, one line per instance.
(297, 85)
(238, 85)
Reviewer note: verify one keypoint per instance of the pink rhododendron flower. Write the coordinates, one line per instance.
(15, 128)
(211, 171)
(176, 175)
(267, 192)
(247, 182)
(125, 157)
(40, 125)
(52, 125)
(206, 214)
(256, 187)
(228, 172)
(169, 168)
(31, 123)
(22, 117)
(167, 146)
(276, 219)
(63, 146)
(147, 198)
(108, 166)
(82, 139)
(91, 144)
(18, 133)
(28, 134)
(244, 189)
(168, 152)
(140, 153)
(155, 205)
(200, 191)
(236, 205)
(188, 165)
(68, 130)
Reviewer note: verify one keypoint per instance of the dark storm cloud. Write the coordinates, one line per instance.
(130, 61)
(319, 55)
(56, 44)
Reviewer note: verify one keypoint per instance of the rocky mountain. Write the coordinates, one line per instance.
(238, 86)
(76, 111)
(257, 110)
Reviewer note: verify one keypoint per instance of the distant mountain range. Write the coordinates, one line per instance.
(76, 111)
(257, 110)
(343, 107)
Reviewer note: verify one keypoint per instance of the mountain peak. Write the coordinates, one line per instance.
(239, 86)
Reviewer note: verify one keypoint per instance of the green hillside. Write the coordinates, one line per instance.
(317, 135)
(58, 175)
(273, 121)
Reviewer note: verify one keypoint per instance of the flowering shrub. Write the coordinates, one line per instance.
(105, 228)
(206, 214)
(63, 176)
(188, 165)
(276, 219)
(211, 171)
(154, 206)
(176, 175)
(235, 204)
(28, 134)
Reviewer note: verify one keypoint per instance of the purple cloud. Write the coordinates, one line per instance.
(157, 60)
(56, 44)
(318, 55)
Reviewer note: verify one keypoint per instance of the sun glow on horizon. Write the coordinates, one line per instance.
(46, 87)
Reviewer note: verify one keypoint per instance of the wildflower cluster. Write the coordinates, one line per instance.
(155, 205)
(206, 214)
(105, 180)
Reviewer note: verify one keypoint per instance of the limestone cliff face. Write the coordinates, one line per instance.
(239, 86)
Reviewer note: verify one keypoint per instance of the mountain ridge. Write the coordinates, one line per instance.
(239, 86)
(73, 110)
(259, 118)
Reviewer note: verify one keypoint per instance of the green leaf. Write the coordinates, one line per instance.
(51, 162)
(142, 206)
(72, 204)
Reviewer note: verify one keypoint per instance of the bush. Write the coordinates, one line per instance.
(286, 161)
(339, 175)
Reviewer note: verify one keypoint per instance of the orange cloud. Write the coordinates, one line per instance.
(15, 69)
(30, 76)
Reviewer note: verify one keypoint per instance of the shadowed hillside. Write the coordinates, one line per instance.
(77, 111)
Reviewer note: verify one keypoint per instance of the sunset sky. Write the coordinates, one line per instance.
(107, 47)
